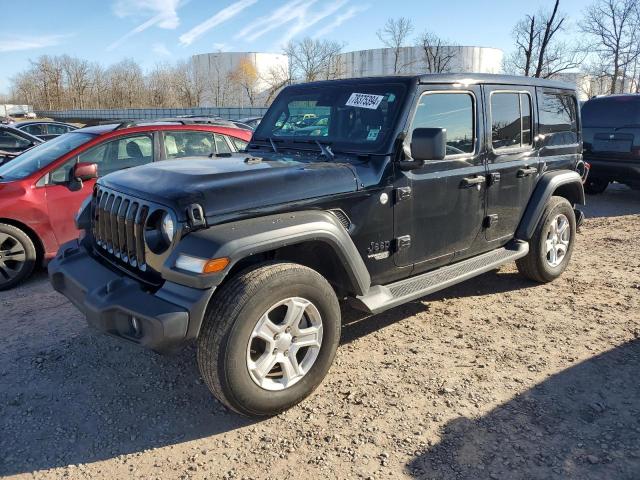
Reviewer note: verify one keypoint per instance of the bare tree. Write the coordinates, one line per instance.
(98, 84)
(540, 52)
(189, 84)
(160, 86)
(614, 27)
(394, 35)
(76, 73)
(437, 54)
(276, 79)
(246, 76)
(311, 60)
(217, 88)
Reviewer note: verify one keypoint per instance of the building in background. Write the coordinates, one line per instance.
(589, 86)
(252, 79)
(242, 79)
(414, 60)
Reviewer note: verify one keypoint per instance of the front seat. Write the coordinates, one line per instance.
(134, 151)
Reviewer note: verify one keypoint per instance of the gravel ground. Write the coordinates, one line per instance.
(495, 378)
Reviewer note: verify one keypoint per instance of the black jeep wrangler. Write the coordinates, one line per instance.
(375, 190)
(611, 131)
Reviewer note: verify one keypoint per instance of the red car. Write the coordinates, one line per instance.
(42, 189)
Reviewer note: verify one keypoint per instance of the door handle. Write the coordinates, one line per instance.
(526, 171)
(472, 181)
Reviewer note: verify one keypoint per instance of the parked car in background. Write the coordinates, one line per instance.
(252, 122)
(611, 127)
(220, 120)
(7, 121)
(13, 142)
(42, 189)
(45, 130)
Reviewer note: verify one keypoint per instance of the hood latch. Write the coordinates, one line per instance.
(196, 216)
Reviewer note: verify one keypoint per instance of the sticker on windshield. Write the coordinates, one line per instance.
(373, 134)
(364, 100)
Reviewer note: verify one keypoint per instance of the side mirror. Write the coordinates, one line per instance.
(428, 144)
(85, 171)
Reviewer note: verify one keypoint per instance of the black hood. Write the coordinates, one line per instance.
(232, 184)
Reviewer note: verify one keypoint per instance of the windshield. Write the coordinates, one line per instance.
(42, 155)
(612, 112)
(358, 117)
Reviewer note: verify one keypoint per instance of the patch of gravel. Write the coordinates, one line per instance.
(495, 378)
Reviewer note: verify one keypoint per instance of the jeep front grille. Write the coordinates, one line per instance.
(118, 226)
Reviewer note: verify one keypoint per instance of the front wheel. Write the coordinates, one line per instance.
(17, 256)
(268, 338)
(552, 243)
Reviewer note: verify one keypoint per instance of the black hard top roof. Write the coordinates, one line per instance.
(617, 96)
(462, 78)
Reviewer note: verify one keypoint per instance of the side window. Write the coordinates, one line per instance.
(181, 144)
(453, 111)
(10, 142)
(126, 152)
(35, 129)
(56, 129)
(221, 144)
(510, 120)
(239, 143)
(558, 116)
(62, 174)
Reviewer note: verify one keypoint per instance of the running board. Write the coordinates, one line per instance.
(382, 297)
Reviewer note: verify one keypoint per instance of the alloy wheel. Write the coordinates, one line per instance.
(12, 257)
(284, 344)
(558, 238)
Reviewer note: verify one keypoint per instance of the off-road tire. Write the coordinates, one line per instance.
(534, 265)
(12, 273)
(595, 186)
(231, 317)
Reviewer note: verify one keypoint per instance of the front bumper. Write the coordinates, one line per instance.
(116, 304)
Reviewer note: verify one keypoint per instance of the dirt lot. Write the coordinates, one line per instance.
(496, 378)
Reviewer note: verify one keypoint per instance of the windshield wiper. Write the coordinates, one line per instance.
(326, 150)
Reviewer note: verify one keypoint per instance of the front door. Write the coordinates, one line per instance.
(512, 159)
(63, 203)
(440, 206)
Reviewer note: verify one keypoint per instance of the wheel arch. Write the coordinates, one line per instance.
(314, 238)
(31, 233)
(563, 183)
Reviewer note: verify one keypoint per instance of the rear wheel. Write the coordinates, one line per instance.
(269, 338)
(552, 243)
(595, 185)
(17, 256)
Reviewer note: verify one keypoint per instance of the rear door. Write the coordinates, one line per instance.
(513, 162)
(439, 207)
(110, 156)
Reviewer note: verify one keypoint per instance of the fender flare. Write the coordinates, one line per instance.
(566, 182)
(240, 239)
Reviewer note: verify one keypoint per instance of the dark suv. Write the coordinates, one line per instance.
(415, 183)
(612, 141)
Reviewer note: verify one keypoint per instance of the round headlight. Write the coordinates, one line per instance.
(168, 227)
